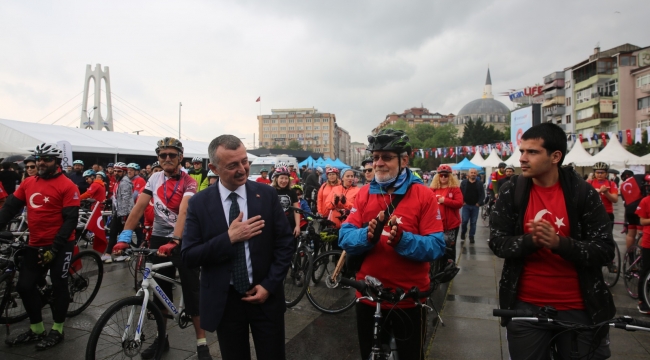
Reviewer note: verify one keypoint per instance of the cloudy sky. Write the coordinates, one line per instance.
(359, 59)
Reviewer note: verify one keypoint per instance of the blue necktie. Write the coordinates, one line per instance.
(239, 269)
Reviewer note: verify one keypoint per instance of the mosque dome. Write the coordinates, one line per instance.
(486, 108)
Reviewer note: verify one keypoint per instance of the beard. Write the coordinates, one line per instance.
(382, 176)
(46, 170)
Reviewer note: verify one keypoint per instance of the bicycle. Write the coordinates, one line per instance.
(84, 280)
(612, 271)
(137, 261)
(632, 265)
(299, 273)
(132, 324)
(372, 290)
(546, 315)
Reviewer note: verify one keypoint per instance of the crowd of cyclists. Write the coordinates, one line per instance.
(553, 229)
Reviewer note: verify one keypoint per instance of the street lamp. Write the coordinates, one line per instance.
(180, 104)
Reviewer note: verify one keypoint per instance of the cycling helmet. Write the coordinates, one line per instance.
(29, 159)
(110, 165)
(502, 165)
(133, 166)
(78, 162)
(211, 174)
(264, 170)
(120, 166)
(601, 166)
(365, 161)
(319, 169)
(197, 159)
(101, 173)
(511, 167)
(46, 149)
(169, 142)
(444, 168)
(647, 179)
(155, 165)
(297, 187)
(389, 140)
(88, 173)
(281, 170)
(332, 170)
(281, 164)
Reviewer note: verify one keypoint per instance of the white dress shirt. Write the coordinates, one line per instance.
(243, 207)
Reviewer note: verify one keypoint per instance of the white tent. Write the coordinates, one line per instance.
(643, 160)
(514, 158)
(22, 137)
(615, 155)
(579, 156)
(477, 159)
(493, 160)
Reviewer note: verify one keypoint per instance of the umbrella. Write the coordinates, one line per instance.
(613, 171)
(14, 158)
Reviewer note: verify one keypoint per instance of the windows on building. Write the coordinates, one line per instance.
(283, 121)
(643, 80)
(585, 113)
(299, 127)
(583, 95)
(291, 128)
(266, 121)
(567, 101)
(266, 136)
(299, 120)
(308, 120)
(291, 121)
(643, 103)
(615, 107)
(274, 128)
(316, 127)
(316, 120)
(274, 121)
(266, 128)
(308, 127)
(628, 60)
(326, 127)
(326, 120)
(610, 88)
(292, 135)
(283, 128)
(568, 119)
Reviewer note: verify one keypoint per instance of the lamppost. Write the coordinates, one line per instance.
(180, 104)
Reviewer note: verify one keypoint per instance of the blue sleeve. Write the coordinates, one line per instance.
(421, 247)
(304, 206)
(354, 240)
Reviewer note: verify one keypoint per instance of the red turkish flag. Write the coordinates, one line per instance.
(630, 190)
(581, 138)
(628, 132)
(602, 136)
(259, 98)
(96, 225)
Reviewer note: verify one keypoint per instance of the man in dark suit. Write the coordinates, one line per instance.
(239, 235)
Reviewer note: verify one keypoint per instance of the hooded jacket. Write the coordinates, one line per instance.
(589, 248)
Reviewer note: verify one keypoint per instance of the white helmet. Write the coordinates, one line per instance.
(46, 149)
(197, 159)
(211, 174)
(119, 166)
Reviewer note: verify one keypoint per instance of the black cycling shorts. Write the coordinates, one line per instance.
(189, 277)
(632, 219)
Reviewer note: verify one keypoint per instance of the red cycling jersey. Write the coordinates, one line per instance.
(45, 200)
(96, 191)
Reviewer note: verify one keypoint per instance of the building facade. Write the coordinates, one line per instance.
(491, 111)
(606, 94)
(415, 116)
(642, 91)
(313, 130)
(554, 107)
(342, 146)
(358, 153)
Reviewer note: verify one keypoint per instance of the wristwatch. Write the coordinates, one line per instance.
(177, 238)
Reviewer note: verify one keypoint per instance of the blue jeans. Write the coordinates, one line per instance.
(470, 212)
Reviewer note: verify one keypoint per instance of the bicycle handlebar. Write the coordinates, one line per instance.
(301, 211)
(145, 251)
(513, 313)
(377, 290)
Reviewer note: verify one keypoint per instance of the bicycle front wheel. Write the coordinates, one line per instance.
(84, 280)
(297, 279)
(11, 305)
(612, 271)
(632, 270)
(113, 336)
(328, 295)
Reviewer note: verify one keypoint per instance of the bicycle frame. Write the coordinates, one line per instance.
(149, 281)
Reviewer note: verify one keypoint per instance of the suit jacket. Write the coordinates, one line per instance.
(206, 243)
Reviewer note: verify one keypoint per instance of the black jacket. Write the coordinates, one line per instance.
(78, 179)
(590, 246)
(311, 184)
(481, 190)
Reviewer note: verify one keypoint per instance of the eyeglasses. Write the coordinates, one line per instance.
(384, 158)
(168, 155)
(44, 158)
(600, 172)
(30, 167)
(443, 175)
(367, 170)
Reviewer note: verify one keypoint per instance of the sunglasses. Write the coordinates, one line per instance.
(44, 158)
(384, 158)
(30, 167)
(443, 175)
(367, 170)
(168, 155)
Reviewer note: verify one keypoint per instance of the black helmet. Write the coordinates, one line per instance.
(365, 161)
(502, 164)
(389, 140)
(601, 166)
(30, 158)
(169, 142)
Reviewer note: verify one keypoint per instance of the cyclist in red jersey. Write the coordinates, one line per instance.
(170, 190)
(643, 211)
(96, 189)
(52, 202)
(606, 188)
(264, 177)
(496, 176)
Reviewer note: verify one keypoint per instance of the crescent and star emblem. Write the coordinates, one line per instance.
(626, 184)
(31, 200)
(559, 222)
(99, 223)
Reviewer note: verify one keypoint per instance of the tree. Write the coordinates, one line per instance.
(477, 133)
(639, 149)
(294, 145)
(277, 146)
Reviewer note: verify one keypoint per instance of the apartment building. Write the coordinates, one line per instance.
(606, 96)
(358, 153)
(641, 77)
(342, 146)
(415, 116)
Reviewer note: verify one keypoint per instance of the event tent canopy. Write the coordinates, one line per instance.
(24, 136)
(465, 165)
(308, 161)
(579, 156)
(615, 155)
(514, 158)
(340, 164)
(493, 160)
(478, 159)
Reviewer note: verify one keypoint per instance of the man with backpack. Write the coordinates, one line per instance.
(632, 191)
(555, 236)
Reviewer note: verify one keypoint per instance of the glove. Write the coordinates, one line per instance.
(398, 233)
(46, 257)
(167, 248)
(336, 200)
(378, 230)
(119, 247)
(343, 199)
(125, 236)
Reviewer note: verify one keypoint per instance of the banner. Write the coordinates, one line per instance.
(66, 147)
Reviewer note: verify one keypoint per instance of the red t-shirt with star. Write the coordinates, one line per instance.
(643, 211)
(45, 200)
(547, 278)
(597, 184)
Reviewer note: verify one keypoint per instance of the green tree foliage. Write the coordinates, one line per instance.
(294, 145)
(640, 149)
(477, 133)
(277, 146)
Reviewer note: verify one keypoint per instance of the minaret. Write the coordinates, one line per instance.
(487, 90)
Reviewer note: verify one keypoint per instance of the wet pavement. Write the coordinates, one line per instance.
(470, 331)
